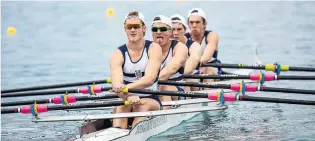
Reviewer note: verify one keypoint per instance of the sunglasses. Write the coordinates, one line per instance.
(162, 29)
(134, 26)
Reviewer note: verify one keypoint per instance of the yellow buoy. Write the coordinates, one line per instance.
(11, 30)
(110, 12)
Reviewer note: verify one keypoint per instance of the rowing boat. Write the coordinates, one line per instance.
(100, 129)
(181, 110)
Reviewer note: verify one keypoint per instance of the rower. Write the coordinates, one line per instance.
(208, 40)
(135, 65)
(174, 55)
(194, 49)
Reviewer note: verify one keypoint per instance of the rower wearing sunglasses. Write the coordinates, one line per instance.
(135, 65)
(174, 55)
(208, 40)
(194, 49)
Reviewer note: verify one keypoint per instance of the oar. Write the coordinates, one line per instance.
(242, 87)
(268, 67)
(85, 90)
(226, 96)
(234, 87)
(57, 86)
(220, 96)
(36, 108)
(63, 99)
(254, 77)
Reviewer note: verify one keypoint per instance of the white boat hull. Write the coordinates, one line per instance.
(150, 126)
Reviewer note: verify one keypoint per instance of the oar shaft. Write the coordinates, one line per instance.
(37, 93)
(275, 100)
(287, 90)
(45, 108)
(169, 93)
(195, 84)
(258, 67)
(268, 67)
(237, 87)
(81, 90)
(227, 97)
(309, 69)
(57, 100)
(284, 77)
(209, 76)
(85, 105)
(55, 86)
(254, 77)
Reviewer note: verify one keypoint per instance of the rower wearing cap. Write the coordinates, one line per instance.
(194, 49)
(135, 65)
(174, 55)
(208, 40)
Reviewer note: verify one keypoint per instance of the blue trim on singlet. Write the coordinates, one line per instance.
(188, 44)
(123, 49)
(179, 89)
(217, 61)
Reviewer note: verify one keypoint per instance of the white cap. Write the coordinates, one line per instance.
(198, 12)
(164, 19)
(181, 19)
(141, 17)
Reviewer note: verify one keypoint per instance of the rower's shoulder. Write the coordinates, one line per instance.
(154, 48)
(182, 46)
(195, 44)
(154, 45)
(187, 34)
(212, 36)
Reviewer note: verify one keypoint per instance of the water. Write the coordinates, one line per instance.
(60, 42)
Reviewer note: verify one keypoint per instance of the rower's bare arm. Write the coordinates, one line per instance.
(152, 69)
(116, 72)
(213, 41)
(194, 58)
(177, 61)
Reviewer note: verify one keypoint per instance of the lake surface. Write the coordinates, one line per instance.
(60, 42)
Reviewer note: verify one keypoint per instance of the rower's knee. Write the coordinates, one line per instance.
(188, 88)
(168, 88)
(123, 109)
(149, 104)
